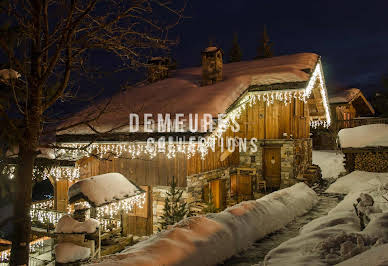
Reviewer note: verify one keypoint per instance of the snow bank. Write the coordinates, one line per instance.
(102, 189)
(377, 256)
(364, 136)
(336, 237)
(210, 239)
(68, 225)
(69, 252)
(330, 162)
(358, 181)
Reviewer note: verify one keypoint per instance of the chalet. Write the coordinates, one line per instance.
(349, 108)
(274, 101)
(348, 105)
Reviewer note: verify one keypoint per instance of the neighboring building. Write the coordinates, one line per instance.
(273, 100)
(349, 108)
(349, 105)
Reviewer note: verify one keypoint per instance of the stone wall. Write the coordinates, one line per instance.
(295, 154)
(159, 194)
(195, 183)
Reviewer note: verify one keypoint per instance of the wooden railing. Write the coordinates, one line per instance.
(340, 124)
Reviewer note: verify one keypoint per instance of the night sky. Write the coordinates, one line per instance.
(351, 36)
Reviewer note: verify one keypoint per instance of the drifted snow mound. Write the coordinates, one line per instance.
(68, 225)
(211, 239)
(330, 162)
(69, 252)
(364, 136)
(336, 237)
(358, 181)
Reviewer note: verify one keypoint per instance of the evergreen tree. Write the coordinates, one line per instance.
(264, 50)
(210, 206)
(235, 52)
(174, 209)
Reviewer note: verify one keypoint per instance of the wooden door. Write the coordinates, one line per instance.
(241, 186)
(61, 194)
(271, 162)
(217, 188)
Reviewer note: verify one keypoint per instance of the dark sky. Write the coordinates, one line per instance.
(351, 36)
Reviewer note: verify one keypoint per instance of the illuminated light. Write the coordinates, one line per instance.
(134, 150)
(126, 205)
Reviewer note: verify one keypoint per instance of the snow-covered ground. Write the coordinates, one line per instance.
(330, 162)
(210, 239)
(337, 237)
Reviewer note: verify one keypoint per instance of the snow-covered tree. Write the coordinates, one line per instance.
(235, 52)
(175, 209)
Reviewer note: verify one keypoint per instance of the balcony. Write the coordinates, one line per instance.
(355, 122)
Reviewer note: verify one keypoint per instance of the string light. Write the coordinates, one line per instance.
(134, 150)
(47, 204)
(34, 246)
(126, 205)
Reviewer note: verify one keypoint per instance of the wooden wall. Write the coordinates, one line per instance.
(270, 122)
(259, 121)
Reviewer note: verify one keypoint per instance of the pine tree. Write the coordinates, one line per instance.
(235, 52)
(174, 209)
(210, 206)
(264, 50)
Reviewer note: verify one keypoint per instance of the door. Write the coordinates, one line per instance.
(271, 162)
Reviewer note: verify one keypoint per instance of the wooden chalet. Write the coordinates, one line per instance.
(349, 108)
(274, 101)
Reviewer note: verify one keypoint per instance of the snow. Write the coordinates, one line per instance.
(102, 189)
(364, 136)
(357, 181)
(69, 252)
(183, 93)
(336, 237)
(330, 162)
(377, 256)
(68, 225)
(210, 239)
(6, 74)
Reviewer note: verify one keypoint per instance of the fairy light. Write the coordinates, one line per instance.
(47, 204)
(34, 246)
(45, 216)
(134, 150)
(126, 205)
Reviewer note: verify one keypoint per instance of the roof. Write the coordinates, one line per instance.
(183, 93)
(354, 96)
(103, 189)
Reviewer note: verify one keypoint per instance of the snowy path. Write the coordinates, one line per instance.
(257, 252)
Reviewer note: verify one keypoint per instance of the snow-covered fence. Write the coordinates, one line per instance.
(211, 239)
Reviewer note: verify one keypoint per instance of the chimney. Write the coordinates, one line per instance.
(211, 65)
(158, 68)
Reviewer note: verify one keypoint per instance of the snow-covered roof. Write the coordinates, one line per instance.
(345, 96)
(183, 93)
(68, 225)
(103, 189)
(356, 98)
(364, 136)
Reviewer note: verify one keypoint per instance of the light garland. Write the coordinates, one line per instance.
(45, 216)
(47, 204)
(34, 246)
(134, 150)
(126, 205)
